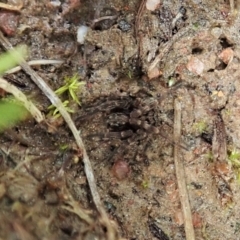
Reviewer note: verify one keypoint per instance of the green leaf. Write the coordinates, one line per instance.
(12, 58)
(61, 90)
(55, 112)
(11, 113)
(72, 86)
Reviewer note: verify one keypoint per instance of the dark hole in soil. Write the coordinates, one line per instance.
(221, 66)
(207, 137)
(225, 43)
(197, 50)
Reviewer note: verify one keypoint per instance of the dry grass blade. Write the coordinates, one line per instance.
(11, 7)
(138, 17)
(33, 63)
(189, 230)
(163, 51)
(6, 86)
(54, 99)
(232, 6)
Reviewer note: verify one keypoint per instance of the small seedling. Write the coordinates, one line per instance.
(72, 85)
(234, 158)
(145, 184)
(64, 147)
(130, 74)
(10, 59)
(55, 112)
(200, 127)
(228, 112)
(209, 156)
(237, 227)
(195, 25)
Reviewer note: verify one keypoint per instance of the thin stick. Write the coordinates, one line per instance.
(11, 7)
(232, 6)
(188, 225)
(8, 87)
(138, 16)
(33, 63)
(95, 21)
(166, 49)
(59, 105)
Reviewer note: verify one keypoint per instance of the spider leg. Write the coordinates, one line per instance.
(111, 135)
(105, 107)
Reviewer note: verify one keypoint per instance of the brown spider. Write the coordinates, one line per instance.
(127, 115)
(130, 120)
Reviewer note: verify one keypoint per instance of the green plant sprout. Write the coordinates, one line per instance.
(63, 147)
(200, 126)
(55, 112)
(237, 227)
(8, 60)
(72, 85)
(209, 156)
(145, 184)
(234, 159)
(130, 74)
(195, 25)
(12, 111)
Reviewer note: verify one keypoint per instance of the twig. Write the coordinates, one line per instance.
(232, 6)
(11, 7)
(59, 105)
(138, 16)
(33, 63)
(180, 174)
(166, 49)
(95, 21)
(8, 87)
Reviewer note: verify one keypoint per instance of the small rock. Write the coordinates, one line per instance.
(194, 65)
(197, 220)
(81, 34)
(151, 5)
(178, 217)
(124, 25)
(9, 22)
(216, 32)
(154, 73)
(226, 55)
(121, 169)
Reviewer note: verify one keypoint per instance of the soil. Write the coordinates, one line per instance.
(126, 120)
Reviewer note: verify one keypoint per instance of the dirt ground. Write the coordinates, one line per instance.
(134, 63)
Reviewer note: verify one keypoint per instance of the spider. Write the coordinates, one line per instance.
(130, 121)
